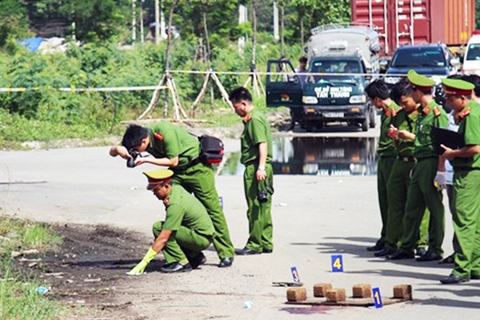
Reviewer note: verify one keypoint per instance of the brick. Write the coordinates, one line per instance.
(296, 294)
(362, 290)
(320, 289)
(402, 291)
(336, 295)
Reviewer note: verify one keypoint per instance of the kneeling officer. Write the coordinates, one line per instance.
(186, 231)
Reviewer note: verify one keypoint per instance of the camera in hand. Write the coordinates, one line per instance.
(263, 196)
(133, 154)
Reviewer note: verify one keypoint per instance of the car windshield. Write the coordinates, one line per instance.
(335, 71)
(418, 57)
(473, 52)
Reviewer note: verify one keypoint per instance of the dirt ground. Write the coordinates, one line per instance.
(86, 271)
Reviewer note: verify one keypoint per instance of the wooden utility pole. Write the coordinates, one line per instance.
(275, 21)
(157, 22)
(134, 22)
(142, 32)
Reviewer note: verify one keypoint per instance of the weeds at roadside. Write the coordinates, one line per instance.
(19, 298)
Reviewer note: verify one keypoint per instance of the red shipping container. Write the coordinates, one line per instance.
(400, 22)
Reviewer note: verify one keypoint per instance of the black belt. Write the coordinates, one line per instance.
(425, 158)
(459, 169)
(407, 159)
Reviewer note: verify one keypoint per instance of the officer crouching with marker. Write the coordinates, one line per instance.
(186, 231)
(466, 181)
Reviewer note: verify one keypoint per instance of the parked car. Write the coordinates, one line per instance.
(433, 60)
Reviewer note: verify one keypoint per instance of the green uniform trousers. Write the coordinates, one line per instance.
(200, 180)
(422, 194)
(384, 168)
(466, 222)
(259, 215)
(397, 197)
(183, 244)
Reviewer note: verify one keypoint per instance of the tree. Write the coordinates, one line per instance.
(13, 20)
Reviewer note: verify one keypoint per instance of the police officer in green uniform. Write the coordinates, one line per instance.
(256, 154)
(466, 181)
(402, 131)
(174, 147)
(379, 95)
(186, 231)
(422, 192)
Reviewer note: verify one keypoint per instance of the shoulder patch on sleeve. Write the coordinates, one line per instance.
(247, 118)
(426, 110)
(158, 136)
(464, 113)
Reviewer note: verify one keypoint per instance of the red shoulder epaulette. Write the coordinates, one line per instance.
(165, 202)
(247, 118)
(464, 113)
(394, 112)
(158, 136)
(436, 111)
(387, 112)
(426, 110)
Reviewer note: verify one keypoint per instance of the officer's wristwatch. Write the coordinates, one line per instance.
(261, 168)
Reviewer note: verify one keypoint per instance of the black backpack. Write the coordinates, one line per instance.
(211, 150)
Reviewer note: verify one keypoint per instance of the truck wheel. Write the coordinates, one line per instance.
(365, 125)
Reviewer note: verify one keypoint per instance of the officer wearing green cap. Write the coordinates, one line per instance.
(256, 154)
(174, 147)
(422, 192)
(186, 231)
(379, 95)
(466, 181)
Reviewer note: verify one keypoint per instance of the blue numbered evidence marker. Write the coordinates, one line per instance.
(377, 298)
(295, 276)
(337, 263)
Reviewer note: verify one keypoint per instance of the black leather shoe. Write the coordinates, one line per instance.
(399, 255)
(246, 251)
(384, 252)
(197, 261)
(448, 260)
(226, 262)
(176, 267)
(453, 279)
(429, 256)
(376, 247)
(420, 252)
(265, 250)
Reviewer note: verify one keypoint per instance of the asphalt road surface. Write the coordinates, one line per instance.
(315, 217)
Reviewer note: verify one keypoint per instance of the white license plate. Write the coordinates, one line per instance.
(333, 114)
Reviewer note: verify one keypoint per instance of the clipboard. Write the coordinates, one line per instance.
(449, 138)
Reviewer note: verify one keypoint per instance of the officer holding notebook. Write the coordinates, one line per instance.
(466, 181)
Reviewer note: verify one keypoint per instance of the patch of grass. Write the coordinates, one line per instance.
(26, 234)
(20, 300)
(18, 296)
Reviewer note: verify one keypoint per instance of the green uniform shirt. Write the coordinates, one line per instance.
(470, 129)
(425, 136)
(183, 209)
(405, 121)
(256, 130)
(169, 140)
(386, 148)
